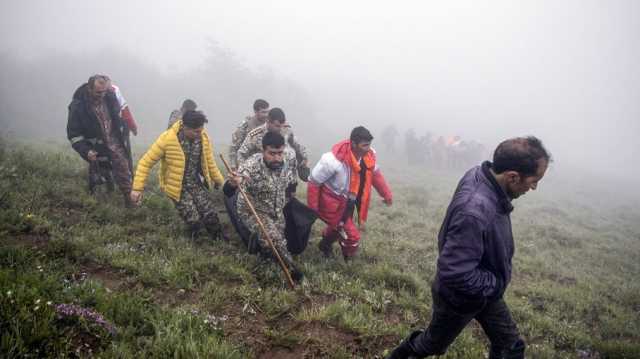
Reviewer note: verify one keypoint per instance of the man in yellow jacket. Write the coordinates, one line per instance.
(187, 171)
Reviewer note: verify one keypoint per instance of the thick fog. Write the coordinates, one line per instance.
(565, 71)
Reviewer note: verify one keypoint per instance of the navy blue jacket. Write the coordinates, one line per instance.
(83, 127)
(475, 243)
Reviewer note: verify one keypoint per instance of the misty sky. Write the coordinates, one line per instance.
(566, 71)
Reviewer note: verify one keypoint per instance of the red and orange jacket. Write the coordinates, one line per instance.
(330, 183)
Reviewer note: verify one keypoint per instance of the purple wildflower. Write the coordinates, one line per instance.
(71, 310)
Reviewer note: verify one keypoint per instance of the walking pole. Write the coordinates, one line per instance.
(264, 231)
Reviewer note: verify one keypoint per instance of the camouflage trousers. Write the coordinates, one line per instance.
(197, 210)
(275, 229)
(117, 170)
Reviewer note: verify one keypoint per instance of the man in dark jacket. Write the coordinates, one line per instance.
(475, 246)
(98, 133)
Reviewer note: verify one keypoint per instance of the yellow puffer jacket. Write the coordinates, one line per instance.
(168, 151)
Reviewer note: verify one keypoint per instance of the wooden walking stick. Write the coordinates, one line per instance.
(264, 231)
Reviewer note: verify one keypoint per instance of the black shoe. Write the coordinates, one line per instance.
(219, 236)
(326, 248)
(296, 275)
(515, 352)
(405, 350)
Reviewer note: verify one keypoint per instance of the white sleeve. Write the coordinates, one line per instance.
(324, 169)
(121, 100)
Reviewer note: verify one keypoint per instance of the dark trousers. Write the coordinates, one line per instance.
(106, 171)
(447, 323)
(99, 174)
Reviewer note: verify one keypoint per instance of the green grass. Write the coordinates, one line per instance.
(574, 290)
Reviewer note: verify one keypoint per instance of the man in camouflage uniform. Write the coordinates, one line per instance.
(176, 115)
(276, 122)
(261, 110)
(269, 181)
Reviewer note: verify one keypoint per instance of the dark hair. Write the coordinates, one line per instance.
(189, 105)
(520, 154)
(194, 119)
(260, 104)
(276, 114)
(360, 134)
(272, 139)
(92, 80)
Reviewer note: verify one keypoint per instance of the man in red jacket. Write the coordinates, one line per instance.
(340, 184)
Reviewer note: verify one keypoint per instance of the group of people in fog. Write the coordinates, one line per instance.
(268, 163)
(438, 152)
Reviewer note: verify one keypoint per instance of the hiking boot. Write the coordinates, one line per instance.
(219, 236)
(215, 232)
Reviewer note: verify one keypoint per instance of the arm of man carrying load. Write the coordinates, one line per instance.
(214, 171)
(75, 131)
(146, 163)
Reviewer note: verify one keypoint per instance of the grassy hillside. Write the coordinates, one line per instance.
(149, 292)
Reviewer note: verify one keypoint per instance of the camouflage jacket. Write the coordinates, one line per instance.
(266, 188)
(253, 144)
(249, 123)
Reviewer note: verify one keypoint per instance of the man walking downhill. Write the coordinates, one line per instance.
(268, 179)
(187, 172)
(98, 133)
(277, 122)
(475, 246)
(340, 183)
